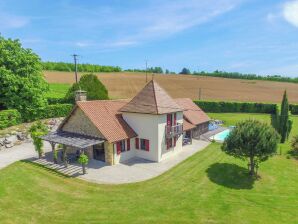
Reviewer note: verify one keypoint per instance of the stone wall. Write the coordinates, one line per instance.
(80, 124)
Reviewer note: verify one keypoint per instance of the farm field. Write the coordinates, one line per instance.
(126, 85)
(209, 187)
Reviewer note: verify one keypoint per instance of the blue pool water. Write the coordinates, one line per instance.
(221, 136)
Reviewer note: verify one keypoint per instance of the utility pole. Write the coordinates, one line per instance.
(200, 93)
(76, 66)
(146, 71)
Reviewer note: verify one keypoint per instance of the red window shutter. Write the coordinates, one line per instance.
(175, 118)
(137, 143)
(169, 119)
(169, 143)
(128, 144)
(147, 145)
(118, 148)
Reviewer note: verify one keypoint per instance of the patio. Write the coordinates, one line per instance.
(133, 170)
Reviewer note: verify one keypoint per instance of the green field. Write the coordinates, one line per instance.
(57, 90)
(209, 187)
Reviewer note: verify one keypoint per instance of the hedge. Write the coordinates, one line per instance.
(50, 111)
(56, 100)
(236, 107)
(9, 118)
(294, 109)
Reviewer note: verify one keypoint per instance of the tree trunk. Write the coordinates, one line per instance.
(39, 154)
(252, 166)
(84, 168)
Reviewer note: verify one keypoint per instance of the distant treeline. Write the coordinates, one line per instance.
(63, 66)
(237, 75)
(149, 70)
(70, 67)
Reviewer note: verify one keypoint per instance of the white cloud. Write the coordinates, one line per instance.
(8, 21)
(152, 21)
(290, 12)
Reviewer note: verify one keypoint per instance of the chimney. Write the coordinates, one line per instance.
(80, 95)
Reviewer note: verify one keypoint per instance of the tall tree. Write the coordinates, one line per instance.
(252, 140)
(90, 83)
(285, 124)
(185, 71)
(22, 85)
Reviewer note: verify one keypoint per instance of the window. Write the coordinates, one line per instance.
(120, 146)
(122, 143)
(128, 144)
(144, 144)
(137, 143)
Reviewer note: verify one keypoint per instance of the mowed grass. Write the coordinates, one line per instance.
(209, 187)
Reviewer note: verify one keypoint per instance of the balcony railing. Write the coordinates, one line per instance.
(175, 130)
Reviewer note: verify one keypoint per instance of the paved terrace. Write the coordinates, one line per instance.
(133, 170)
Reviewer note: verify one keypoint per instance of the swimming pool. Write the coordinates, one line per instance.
(221, 136)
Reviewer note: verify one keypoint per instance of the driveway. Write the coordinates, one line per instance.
(133, 170)
(19, 152)
(137, 169)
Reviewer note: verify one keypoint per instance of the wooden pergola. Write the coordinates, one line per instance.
(70, 139)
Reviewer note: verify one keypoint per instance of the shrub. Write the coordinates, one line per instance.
(50, 111)
(9, 118)
(236, 107)
(294, 109)
(90, 83)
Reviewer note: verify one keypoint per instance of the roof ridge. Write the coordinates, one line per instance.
(153, 83)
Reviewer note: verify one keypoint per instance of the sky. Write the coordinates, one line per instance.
(248, 36)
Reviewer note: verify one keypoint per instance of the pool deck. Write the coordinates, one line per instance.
(208, 134)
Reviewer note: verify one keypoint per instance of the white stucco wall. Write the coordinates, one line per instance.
(123, 156)
(164, 152)
(152, 127)
(146, 126)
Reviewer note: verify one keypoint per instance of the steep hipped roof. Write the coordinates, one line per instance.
(152, 99)
(192, 112)
(105, 115)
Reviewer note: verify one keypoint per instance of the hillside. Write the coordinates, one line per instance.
(125, 85)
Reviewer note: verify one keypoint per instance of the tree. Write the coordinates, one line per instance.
(90, 83)
(22, 85)
(36, 131)
(83, 160)
(185, 71)
(251, 139)
(294, 143)
(285, 125)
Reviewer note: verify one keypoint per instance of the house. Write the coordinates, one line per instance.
(152, 125)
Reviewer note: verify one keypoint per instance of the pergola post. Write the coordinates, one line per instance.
(53, 152)
(64, 155)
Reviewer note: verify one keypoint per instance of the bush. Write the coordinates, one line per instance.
(9, 118)
(90, 83)
(236, 107)
(52, 100)
(294, 109)
(50, 111)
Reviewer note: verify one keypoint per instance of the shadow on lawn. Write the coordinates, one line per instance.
(293, 154)
(52, 171)
(230, 175)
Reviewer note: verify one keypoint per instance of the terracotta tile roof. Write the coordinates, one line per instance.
(152, 99)
(192, 112)
(105, 115)
(187, 125)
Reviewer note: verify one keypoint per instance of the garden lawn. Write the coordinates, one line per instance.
(209, 187)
